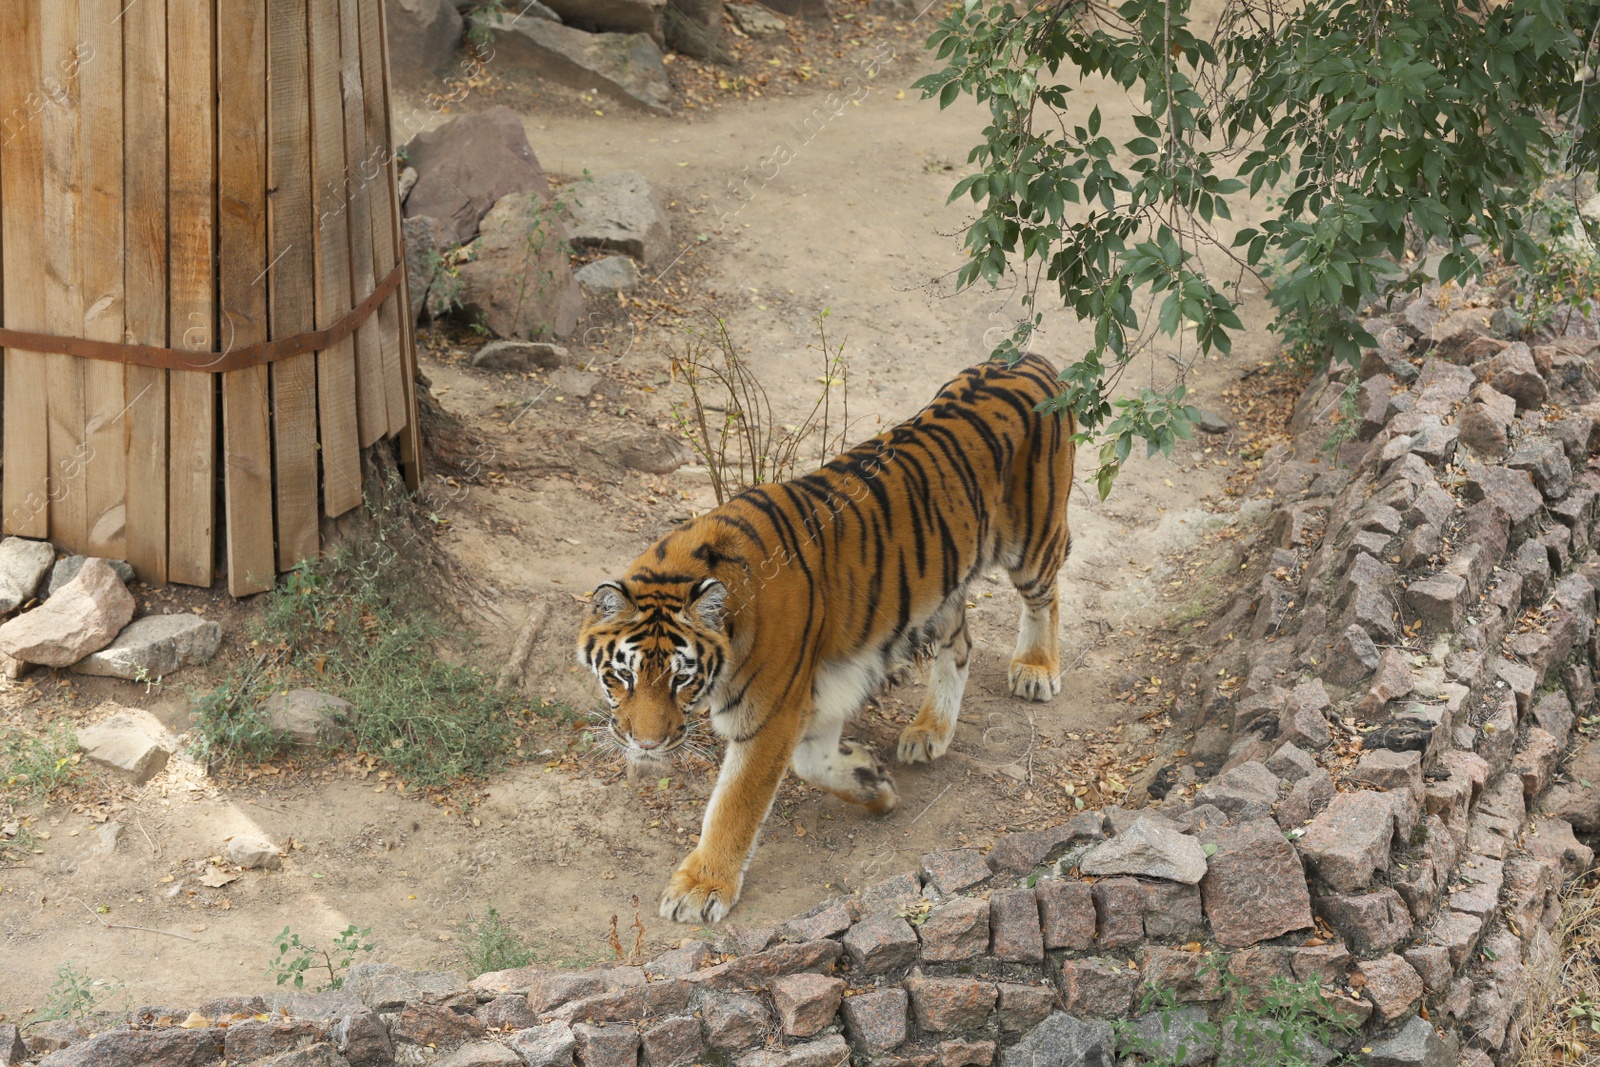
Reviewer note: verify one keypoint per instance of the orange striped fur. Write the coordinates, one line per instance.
(780, 612)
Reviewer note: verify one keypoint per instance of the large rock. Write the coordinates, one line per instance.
(519, 356)
(82, 618)
(466, 166)
(1062, 1040)
(613, 274)
(67, 568)
(1546, 461)
(881, 943)
(876, 1022)
(694, 27)
(624, 66)
(1254, 888)
(1514, 373)
(22, 567)
(306, 718)
(129, 741)
(1149, 849)
(1247, 790)
(619, 212)
(423, 38)
(1576, 797)
(155, 646)
(755, 21)
(1349, 841)
(651, 451)
(1417, 1044)
(168, 1047)
(520, 283)
(426, 241)
(806, 1003)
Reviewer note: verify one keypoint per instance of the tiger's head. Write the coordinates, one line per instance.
(657, 649)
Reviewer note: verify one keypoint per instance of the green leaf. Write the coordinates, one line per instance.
(1209, 849)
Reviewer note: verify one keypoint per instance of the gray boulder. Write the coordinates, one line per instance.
(694, 27)
(613, 274)
(755, 21)
(426, 241)
(154, 647)
(423, 38)
(468, 165)
(627, 67)
(619, 212)
(22, 567)
(306, 718)
(519, 356)
(519, 283)
(1150, 850)
(1061, 1040)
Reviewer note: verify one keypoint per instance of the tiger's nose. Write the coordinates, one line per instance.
(646, 745)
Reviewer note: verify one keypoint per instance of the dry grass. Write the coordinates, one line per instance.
(1563, 1012)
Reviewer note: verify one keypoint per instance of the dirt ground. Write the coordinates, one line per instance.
(533, 511)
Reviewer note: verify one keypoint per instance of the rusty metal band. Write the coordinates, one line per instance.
(211, 362)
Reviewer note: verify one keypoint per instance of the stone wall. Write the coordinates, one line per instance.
(1381, 793)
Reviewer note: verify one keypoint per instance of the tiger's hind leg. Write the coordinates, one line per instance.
(929, 734)
(1035, 672)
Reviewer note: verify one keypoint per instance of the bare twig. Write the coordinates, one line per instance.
(931, 803)
(122, 926)
(511, 674)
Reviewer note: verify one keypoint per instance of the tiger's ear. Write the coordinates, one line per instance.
(610, 600)
(708, 602)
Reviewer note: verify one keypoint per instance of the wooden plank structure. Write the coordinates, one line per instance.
(203, 313)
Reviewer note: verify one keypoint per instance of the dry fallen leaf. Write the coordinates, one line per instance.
(195, 1021)
(216, 878)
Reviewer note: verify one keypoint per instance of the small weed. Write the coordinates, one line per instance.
(1565, 279)
(1287, 1024)
(356, 623)
(445, 285)
(292, 968)
(729, 421)
(31, 768)
(480, 33)
(229, 726)
(492, 946)
(73, 996)
(1346, 421)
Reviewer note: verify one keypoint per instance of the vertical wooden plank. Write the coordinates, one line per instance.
(105, 401)
(145, 280)
(336, 366)
(24, 438)
(411, 436)
(384, 204)
(60, 123)
(363, 178)
(242, 237)
(192, 443)
(291, 253)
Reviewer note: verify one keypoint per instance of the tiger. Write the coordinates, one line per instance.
(782, 611)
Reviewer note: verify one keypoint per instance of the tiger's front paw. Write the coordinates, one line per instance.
(1032, 682)
(923, 742)
(698, 894)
